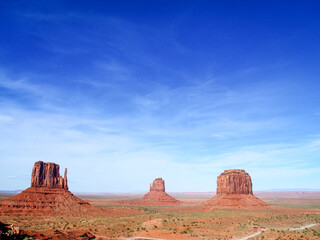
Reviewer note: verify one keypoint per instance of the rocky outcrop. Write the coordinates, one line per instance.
(47, 175)
(10, 231)
(234, 181)
(47, 195)
(234, 190)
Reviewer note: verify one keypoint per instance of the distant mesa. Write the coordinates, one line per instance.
(234, 190)
(48, 194)
(156, 196)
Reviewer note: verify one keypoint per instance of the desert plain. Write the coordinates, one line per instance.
(291, 215)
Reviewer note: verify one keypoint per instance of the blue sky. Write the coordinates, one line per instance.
(122, 92)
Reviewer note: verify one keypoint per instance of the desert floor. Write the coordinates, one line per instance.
(291, 215)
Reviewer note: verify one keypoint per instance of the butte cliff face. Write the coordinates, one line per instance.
(47, 175)
(47, 195)
(234, 181)
(234, 190)
(158, 185)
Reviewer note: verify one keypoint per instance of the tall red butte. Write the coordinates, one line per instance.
(234, 190)
(48, 194)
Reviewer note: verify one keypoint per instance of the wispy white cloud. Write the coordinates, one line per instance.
(96, 147)
(210, 110)
(4, 118)
(41, 94)
(11, 176)
(21, 84)
(112, 67)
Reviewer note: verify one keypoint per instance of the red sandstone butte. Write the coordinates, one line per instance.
(234, 181)
(47, 175)
(234, 190)
(157, 185)
(156, 196)
(47, 195)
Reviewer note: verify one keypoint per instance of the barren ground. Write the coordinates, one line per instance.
(289, 212)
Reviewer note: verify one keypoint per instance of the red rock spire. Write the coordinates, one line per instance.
(65, 180)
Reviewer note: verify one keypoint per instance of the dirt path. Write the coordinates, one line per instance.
(244, 238)
(254, 234)
(291, 229)
(303, 227)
